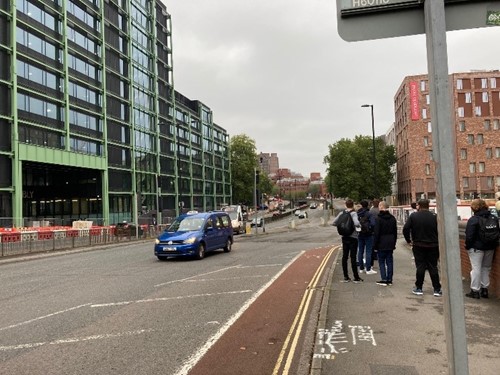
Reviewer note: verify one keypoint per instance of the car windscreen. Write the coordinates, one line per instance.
(190, 224)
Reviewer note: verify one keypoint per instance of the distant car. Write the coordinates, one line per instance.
(125, 229)
(194, 235)
(313, 205)
(302, 214)
(257, 221)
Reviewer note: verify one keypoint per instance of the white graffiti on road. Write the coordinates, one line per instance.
(336, 339)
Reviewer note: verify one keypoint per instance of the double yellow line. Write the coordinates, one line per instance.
(292, 338)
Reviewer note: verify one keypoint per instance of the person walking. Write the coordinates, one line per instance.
(480, 250)
(384, 240)
(421, 232)
(365, 239)
(350, 243)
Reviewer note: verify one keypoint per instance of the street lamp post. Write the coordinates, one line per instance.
(375, 192)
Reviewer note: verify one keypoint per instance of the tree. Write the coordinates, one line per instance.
(243, 163)
(350, 168)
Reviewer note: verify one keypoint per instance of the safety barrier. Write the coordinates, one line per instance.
(27, 240)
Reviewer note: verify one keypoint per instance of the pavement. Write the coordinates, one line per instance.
(371, 329)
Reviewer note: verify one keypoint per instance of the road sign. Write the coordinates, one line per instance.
(376, 19)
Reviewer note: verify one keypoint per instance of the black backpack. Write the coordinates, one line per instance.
(345, 224)
(364, 221)
(489, 231)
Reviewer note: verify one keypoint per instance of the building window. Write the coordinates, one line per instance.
(429, 127)
(497, 152)
(477, 110)
(422, 85)
(427, 169)
(489, 153)
(496, 124)
(481, 166)
(493, 83)
(463, 154)
(490, 181)
(426, 141)
(424, 113)
(485, 97)
(484, 83)
(480, 139)
(472, 167)
(487, 124)
(428, 99)
(460, 84)
(465, 182)
(460, 112)
(430, 154)
(470, 139)
(461, 126)
(468, 97)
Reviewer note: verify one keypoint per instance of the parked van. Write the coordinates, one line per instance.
(192, 235)
(238, 217)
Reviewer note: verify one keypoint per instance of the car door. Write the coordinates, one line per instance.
(211, 233)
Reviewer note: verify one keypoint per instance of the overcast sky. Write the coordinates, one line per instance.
(278, 71)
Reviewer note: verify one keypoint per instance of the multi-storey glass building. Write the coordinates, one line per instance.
(90, 124)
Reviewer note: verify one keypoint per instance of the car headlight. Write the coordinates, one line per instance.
(157, 241)
(190, 240)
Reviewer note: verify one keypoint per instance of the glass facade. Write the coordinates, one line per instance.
(91, 110)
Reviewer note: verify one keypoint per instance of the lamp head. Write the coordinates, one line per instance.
(367, 105)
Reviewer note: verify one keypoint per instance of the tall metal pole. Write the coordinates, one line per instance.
(443, 151)
(374, 154)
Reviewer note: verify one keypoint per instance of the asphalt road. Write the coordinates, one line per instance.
(121, 311)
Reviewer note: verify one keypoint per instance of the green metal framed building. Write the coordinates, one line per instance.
(91, 126)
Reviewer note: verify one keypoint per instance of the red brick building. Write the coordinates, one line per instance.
(476, 121)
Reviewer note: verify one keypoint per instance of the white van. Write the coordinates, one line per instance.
(237, 216)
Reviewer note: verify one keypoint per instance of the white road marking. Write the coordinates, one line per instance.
(199, 353)
(74, 340)
(168, 298)
(43, 317)
(192, 277)
(227, 278)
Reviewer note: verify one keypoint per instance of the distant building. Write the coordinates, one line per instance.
(476, 123)
(269, 163)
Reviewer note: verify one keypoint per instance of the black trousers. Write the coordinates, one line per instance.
(350, 250)
(426, 258)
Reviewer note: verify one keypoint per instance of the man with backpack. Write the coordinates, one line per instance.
(365, 239)
(347, 224)
(481, 239)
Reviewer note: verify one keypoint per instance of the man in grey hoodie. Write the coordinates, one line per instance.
(350, 244)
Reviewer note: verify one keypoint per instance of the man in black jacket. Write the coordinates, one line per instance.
(385, 237)
(420, 230)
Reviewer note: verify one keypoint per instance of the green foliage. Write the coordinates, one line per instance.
(350, 168)
(244, 161)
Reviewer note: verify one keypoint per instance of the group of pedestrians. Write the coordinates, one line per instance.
(373, 236)
(375, 233)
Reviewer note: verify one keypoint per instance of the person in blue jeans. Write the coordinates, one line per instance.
(384, 241)
(365, 239)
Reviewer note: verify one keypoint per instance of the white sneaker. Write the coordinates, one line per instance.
(361, 271)
(371, 272)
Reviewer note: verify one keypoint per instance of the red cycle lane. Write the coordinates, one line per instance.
(254, 344)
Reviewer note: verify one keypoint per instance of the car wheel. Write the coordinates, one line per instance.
(229, 245)
(162, 258)
(200, 254)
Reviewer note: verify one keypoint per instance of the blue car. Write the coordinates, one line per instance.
(192, 235)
